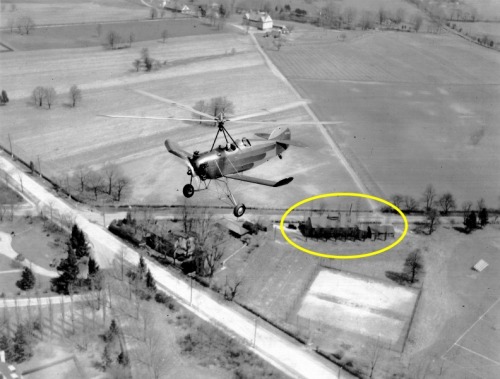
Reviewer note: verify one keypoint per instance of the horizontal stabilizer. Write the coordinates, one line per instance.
(174, 148)
(263, 135)
(292, 143)
(263, 182)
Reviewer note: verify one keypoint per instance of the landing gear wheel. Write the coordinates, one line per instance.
(239, 210)
(188, 190)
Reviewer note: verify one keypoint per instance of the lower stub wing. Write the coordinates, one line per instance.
(262, 182)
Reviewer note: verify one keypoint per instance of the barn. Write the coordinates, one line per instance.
(260, 20)
(234, 228)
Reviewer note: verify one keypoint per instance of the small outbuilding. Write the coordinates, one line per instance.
(234, 228)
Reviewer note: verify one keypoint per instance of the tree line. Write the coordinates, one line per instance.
(47, 95)
(109, 183)
(434, 205)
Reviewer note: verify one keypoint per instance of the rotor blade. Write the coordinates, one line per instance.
(174, 103)
(272, 110)
(263, 182)
(276, 122)
(156, 118)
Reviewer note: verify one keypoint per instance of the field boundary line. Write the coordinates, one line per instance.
(479, 355)
(274, 69)
(467, 331)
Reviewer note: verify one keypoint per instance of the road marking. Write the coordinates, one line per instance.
(9, 271)
(467, 331)
(479, 355)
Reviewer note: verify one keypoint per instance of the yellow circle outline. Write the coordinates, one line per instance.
(339, 194)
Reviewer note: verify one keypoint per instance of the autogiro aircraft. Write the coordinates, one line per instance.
(228, 161)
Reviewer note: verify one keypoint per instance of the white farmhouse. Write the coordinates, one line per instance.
(259, 20)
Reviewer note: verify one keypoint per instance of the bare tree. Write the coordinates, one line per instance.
(428, 197)
(131, 38)
(411, 205)
(350, 15)
(417, 21)
(137, 64)
(153, 13)
(399, 17)
(151, 355)
(481, 204)
(446, 202)
(382, 15)
(201, 106)
(11, 22)
(466, 209)
(49, 94)
(81, 176)
(75, 94)
(110, 173)
(397, 200)
(231, 289)
(95, 182)
(37, 96)
(164, 35)
(220, 105)
(210, 247)
(432, 217)
(413, 265)
(113, 39)
(121, 184)
(366, 20)
(25, 24)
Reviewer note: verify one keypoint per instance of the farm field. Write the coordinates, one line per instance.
(95, 34)
(340, 305)
(406, 98)
(50, 12)
(198, 68)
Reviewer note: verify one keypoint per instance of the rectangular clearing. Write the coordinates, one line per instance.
(359, 306)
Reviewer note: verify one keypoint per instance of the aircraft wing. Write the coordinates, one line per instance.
(175, 149)
(263, 182)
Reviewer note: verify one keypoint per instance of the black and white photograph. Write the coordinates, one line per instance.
(250, 189)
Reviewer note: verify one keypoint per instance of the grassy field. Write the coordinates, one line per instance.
(49, 12)
(406, 98)
(95, 34)
(35, 243)
(197, 68)
(8, 196)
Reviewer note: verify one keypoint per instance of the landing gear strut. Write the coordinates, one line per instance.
(188, 190)
(239, 210)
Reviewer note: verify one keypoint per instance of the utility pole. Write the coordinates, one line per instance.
(39, 166)
(10, 143)
(255, 333)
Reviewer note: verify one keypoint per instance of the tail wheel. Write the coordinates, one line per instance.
(188, 190)
(239, 210)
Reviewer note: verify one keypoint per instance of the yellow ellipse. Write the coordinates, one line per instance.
(339, 194)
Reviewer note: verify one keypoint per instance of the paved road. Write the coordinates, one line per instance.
(280, 350)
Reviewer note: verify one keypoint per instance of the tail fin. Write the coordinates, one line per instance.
(281, 135)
